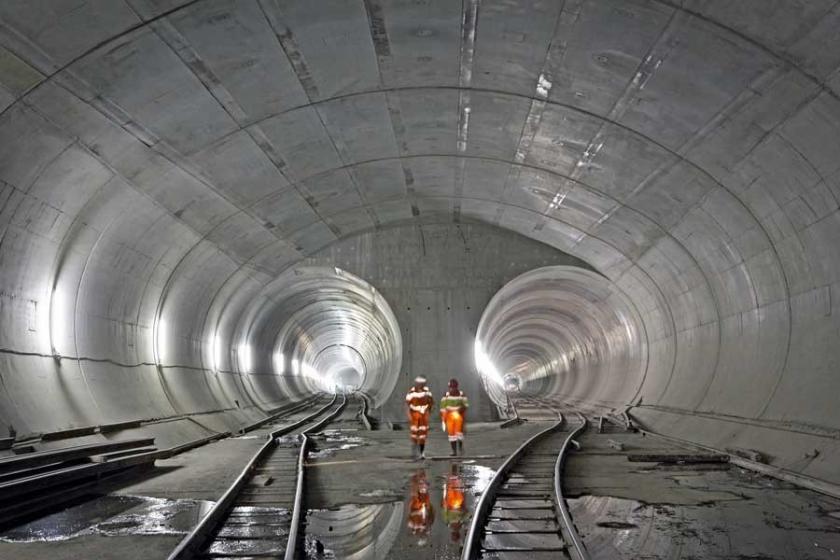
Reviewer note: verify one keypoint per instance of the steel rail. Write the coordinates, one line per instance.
(279, 414)
(472, 541)
(297, 511)
(198, 537)
(569, 530)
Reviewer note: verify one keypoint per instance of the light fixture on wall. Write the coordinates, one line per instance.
(245, 358)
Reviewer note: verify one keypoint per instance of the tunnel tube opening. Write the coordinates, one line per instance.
(319, 329)
(561, 332)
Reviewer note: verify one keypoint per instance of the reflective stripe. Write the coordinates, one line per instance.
(418, 394)
(419, 407)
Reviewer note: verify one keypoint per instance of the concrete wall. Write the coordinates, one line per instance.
(438, 279)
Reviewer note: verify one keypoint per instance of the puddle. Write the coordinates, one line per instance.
(477, 477)
(331, 441)
(71, 522)
(113, 516)
(353, 531)
(341, 435)
(289, 440)
(421, 509)
(439, 507)
(377, 494)
(329, 451)
(158, 516)
(430, 521)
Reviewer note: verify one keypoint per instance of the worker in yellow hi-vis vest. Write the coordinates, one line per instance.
(453, 414)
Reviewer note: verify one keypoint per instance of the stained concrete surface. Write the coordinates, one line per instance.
(351, 468)
(167, 502)
(634, 510)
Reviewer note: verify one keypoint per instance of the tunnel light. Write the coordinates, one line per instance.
(60, 321)
(245, 359)
(485, 365)
(159, 348)
(310, 371)
(215, 352)
(279, 363)
(295, 367)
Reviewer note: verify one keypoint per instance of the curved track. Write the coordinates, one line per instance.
(261, 513)
(522, 513)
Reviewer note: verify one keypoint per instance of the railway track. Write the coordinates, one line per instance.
(522, 514)
(261, 514)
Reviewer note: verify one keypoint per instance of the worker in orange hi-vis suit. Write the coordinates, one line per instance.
(419, 401)
(421, 514)
(454, 502)
(453, 414)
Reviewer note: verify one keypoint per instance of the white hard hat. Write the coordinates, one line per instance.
(420, 379)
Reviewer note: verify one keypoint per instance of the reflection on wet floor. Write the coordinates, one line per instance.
(113, 516)
(454, 504)
(361, 532)
(429, 523)
(421, 512)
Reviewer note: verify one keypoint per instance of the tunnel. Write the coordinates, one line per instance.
(219, 216)
(562, 331)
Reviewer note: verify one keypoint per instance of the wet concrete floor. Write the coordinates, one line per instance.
(135, 527)
(355, 474)
(368, 500)
(371, 501)
(185, 483)
(631, 510)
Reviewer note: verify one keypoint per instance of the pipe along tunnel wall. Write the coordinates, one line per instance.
(688, 153)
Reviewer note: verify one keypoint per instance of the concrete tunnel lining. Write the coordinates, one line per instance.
(566, 332)
(688, 153)
(312, 322)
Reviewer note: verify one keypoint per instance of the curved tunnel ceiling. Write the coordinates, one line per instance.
(177, 156)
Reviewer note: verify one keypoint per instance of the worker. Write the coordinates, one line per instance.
(419, 401)
(454, 502)
(421, 514)
(453, 413)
